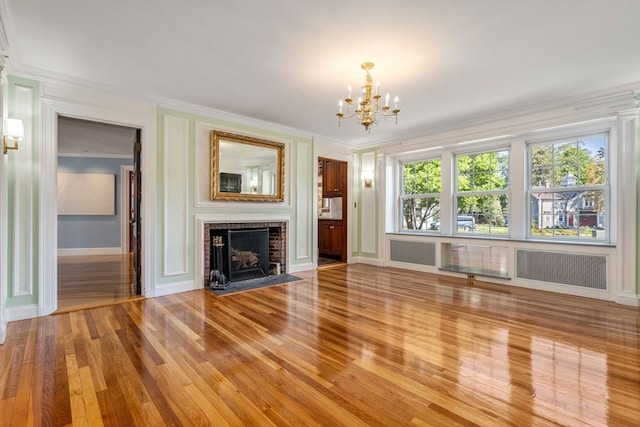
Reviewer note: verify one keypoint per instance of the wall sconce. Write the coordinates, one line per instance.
(367, 177)
(13, 132)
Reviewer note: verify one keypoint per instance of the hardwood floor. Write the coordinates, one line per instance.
(324, 262)
(348, 346)
(94, 280)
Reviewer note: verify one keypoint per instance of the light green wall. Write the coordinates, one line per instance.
(368, 204)
(300, 169)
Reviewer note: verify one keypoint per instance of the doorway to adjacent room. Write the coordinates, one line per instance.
(99, 234)
(332, 212)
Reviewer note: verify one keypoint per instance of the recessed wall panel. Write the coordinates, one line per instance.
(176, 191)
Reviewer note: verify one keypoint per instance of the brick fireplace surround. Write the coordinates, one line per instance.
(277, 241)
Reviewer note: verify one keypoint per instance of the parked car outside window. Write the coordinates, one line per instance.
(466, 222)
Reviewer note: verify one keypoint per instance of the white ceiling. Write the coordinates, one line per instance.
(290, 61)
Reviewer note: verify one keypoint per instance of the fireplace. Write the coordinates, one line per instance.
(245, 266)
(240, 254)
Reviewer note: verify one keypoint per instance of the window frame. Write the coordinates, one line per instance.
(607, 187)
(519, 215)
(402, 196)
(456, 193)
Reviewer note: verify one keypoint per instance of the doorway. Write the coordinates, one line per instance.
(332, 212)
(98, 256)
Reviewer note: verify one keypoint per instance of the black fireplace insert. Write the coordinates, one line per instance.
(240, 254)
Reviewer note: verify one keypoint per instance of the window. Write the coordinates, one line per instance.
(482, 191)
(569, 188)
(420, 197)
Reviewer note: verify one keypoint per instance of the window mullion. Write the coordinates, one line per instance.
(447, 200)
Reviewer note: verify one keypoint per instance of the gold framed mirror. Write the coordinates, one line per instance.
(244, 168)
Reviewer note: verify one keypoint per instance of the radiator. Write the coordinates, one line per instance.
(423, 253)
(584, 271)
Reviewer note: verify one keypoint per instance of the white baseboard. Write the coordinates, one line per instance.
(23, 312)
(301, 267)
(3, 332)
(173, 288)
(89, 251)
(628, 299)
(364, 260)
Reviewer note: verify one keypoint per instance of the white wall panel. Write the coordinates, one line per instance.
(176, 191)
(356, 191)
(3, 216)
(304, 189)
(369, 227)
(23, 195)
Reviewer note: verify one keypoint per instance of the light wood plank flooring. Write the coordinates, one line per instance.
(94, 280)
(348, 346)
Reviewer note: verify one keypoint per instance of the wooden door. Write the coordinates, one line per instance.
(131, 210)
(137, 216)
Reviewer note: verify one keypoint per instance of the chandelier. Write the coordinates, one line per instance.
(368, 104)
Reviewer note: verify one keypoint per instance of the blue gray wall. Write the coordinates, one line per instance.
(91, 231)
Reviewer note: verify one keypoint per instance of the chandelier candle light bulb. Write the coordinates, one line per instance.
(367, 107)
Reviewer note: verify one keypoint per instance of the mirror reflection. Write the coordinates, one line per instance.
(246, 168)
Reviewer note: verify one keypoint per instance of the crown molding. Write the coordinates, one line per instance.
(507, 122)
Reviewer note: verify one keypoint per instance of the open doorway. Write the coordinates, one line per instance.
(332, 212)
(99, 229)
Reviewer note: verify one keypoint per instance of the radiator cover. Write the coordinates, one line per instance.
(581, 270)
(423, 253)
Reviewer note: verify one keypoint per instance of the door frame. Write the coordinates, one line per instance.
(100, 109)
(342, 154)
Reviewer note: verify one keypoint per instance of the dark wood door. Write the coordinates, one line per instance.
(137, 223)
(131, 205)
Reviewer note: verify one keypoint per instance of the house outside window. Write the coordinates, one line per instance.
(420, 195)
(569, 188)
(482, 192)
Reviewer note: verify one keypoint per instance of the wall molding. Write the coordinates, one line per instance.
(175, 199)
(304, 196)
(172, 288)
(22, 107)
(23, 312)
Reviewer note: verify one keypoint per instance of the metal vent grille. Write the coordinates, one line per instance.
(585, 271)
(423, 253)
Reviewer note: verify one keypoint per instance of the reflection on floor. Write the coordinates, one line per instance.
(94, 280)
(324, 262)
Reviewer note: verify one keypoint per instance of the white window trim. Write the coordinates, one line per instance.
(602, 126)
(402, 195)
(518, 190)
